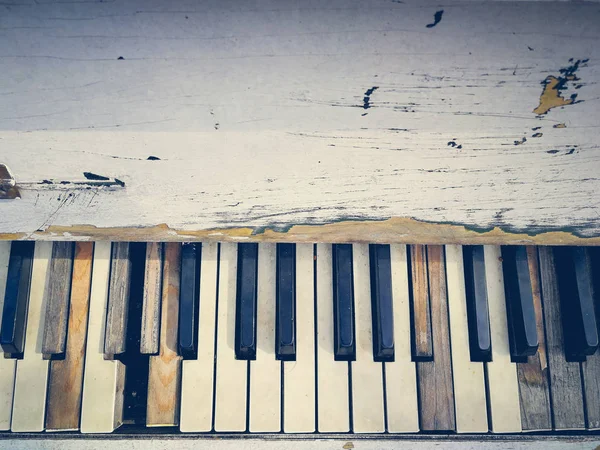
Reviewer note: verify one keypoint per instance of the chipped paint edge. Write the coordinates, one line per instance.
(392, 230)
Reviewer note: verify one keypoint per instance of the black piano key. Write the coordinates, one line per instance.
(343, 303)
(16, 298)
(578, 316)
(478, 316)
(522, 330)
(381, 303)
(245, 325)
(285, 339)
(188, 300)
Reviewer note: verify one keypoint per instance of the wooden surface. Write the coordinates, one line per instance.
(65, 385)
(345, 121)
(57, 293)
(565, 377)
(164, 376)
(7, 365)
(421, 309)
(436, 391)
(534, 390)
(149, 339)
(115, 335)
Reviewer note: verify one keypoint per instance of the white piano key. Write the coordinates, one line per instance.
(332, 380)
(401, 375)
(231, 374)
(503, 386)
(103, 380)
(468, 377)
(7, 366)
(29, 403)
(265, 371)
(299, 376)
(367, 375)
(197, 378)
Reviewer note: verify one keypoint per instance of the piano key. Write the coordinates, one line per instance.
(590, 368)
(65, 383)
(188, 308)
(435, 377)
(29, 402)
(367, 375)
(468, 376)
(245, 327)
(480, 344)
(381, 301)
(286, 302)
(231, 373)
(299, 376)
(343, 303)
(565, 377)
(523, 338)
(585, 307)
(534, 391)
(401, 375)
(332, 375)
(502, 382)
(115, 339)
(164, 375)
(422, 341)
(12, 333)
(197, 374)
(103, 380)
(149, 339)
(58, 289)
(7, 365)
(265, 371)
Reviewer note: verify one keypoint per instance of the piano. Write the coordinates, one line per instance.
(299, 224)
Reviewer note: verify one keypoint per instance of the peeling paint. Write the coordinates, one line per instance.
(560, 125)
(367, 97)
(552, 93)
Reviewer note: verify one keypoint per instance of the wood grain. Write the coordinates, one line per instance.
(534, 391)
(565, 377)
(57, 293)
(436, 392)
(437, 138)
(422, 341)
(164, 379)
(65, 385)
(149, 339)
(118, 299)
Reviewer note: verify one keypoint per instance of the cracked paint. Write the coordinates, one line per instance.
(552, 94)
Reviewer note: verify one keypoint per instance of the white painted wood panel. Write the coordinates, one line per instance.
(7, 366)
(277, 114)
(468, 376)
(265, 371)
(103, 379)
(401, 375)
(197, 377)
(31, 380)
(299, 377)
(503, 384)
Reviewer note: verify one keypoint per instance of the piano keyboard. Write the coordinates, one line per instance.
(298, 338)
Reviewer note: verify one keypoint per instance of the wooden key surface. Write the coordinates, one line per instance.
(66, 376)
(149, 340)
(164, 379)
(422, 339)
(118, 297)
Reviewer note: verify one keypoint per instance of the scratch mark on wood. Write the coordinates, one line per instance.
(436, 19)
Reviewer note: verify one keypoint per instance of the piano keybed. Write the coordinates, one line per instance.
(298, 338)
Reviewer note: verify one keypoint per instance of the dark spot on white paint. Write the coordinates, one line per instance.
(453, 144)
(522, 141)
(367, 97)
(436, 18)
(536, 128)
(552, 152)
(120, 58)
(153, 158)
(570, 152)
(537, 135)
(95, 177)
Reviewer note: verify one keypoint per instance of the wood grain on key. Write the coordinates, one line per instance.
(421, 309)
(565, 379)
(66, 376)
(57, 294)
(118, 298)
(534, 391)
(149, 340)
(164, 379)
(435, 377)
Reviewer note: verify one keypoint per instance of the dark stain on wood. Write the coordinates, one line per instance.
(437, 17)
